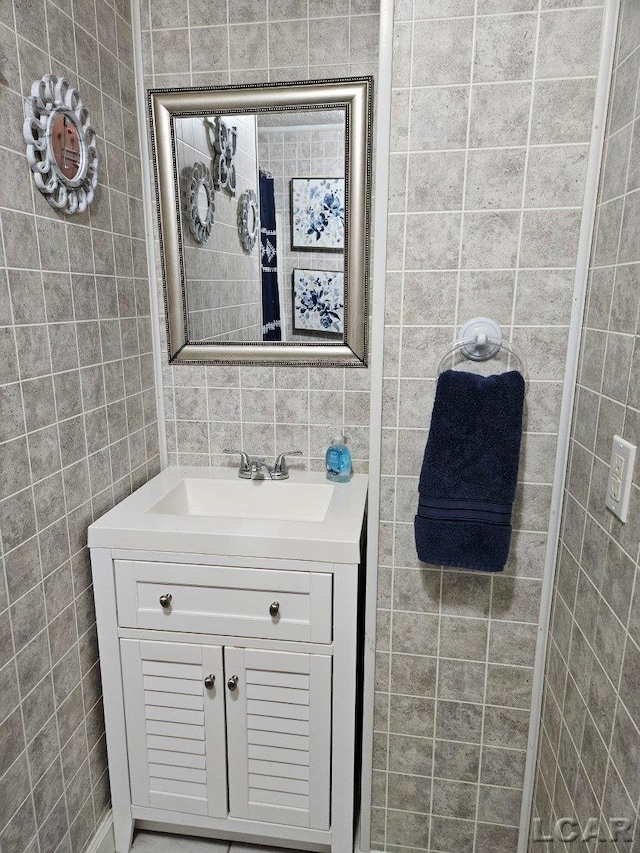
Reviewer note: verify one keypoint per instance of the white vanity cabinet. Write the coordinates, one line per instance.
(230, 691)
(175, 726)
(268, 728)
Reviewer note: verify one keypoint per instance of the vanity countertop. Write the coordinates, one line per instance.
(170, 513)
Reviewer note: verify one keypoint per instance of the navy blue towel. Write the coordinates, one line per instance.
(470, 469)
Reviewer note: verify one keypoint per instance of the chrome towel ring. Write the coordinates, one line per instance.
(479, 340)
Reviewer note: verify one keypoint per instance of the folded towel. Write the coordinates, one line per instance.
(468, 479)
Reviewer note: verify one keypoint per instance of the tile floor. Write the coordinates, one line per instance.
(157, 842)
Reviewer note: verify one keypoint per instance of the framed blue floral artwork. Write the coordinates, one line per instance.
(318, 301)
(317, 213)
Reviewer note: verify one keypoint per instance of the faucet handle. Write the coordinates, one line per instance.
(245, 462)
(281, 463)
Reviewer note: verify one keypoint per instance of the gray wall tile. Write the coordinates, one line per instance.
(568, 43)
(449, 58)
(505, 47)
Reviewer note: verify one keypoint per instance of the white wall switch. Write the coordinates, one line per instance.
(623, 456)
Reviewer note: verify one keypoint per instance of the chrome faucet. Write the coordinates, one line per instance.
(255, 468)
(260, 470)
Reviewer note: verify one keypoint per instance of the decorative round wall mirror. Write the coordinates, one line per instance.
(223, 140)
(200, 203)
(248, 220)
(61, 145)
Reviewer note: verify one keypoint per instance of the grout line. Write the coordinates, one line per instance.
(308, 36)
(500, 83)
(436, 702)
(484, 705)
(523, 196)
(465, 174)
(393, 215)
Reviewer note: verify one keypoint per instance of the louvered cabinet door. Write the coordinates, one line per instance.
(175, 726)
(279, 736)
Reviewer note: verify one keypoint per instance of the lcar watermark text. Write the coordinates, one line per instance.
(568, 829)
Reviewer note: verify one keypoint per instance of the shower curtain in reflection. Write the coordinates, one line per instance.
(271, 330)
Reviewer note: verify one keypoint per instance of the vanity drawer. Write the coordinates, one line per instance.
(216, 600)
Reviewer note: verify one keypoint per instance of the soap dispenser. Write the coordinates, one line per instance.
(338, 461)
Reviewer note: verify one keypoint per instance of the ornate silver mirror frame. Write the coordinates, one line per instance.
(199, 225)
(354, 95)
(61, 145)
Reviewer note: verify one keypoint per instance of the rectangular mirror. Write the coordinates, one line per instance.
(263, 206)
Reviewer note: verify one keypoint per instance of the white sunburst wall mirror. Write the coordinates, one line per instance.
(223, 140)
(200, 203)
(61, 145)
(248, 220)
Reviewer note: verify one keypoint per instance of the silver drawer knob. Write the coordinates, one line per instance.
(165, 600)
(274, 609)
(232, 683)
(209, 682)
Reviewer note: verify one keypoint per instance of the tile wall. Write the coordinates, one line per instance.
(492, 109)
(589, 753)
(78, 429)
(191, 42)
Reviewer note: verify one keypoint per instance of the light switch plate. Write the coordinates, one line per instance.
(623, 457)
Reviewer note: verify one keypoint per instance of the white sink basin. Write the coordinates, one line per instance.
(198, 510)
(263, 499)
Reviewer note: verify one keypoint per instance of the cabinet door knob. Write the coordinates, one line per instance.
(232, 683)
(274, 609)
(165, 600)
(209, 682)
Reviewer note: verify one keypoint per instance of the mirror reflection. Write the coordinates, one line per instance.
(271, 186)
(203, 201)
(65, 145)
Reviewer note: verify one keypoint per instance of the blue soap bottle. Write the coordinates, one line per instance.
(338, 461)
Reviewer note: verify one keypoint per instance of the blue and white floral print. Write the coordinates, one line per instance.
(317, 213)
(318, 301)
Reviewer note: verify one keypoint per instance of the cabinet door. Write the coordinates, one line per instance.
(279, 736)
(175, 726)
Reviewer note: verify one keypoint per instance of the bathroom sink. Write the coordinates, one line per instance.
(200, 510)
(260, 499)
